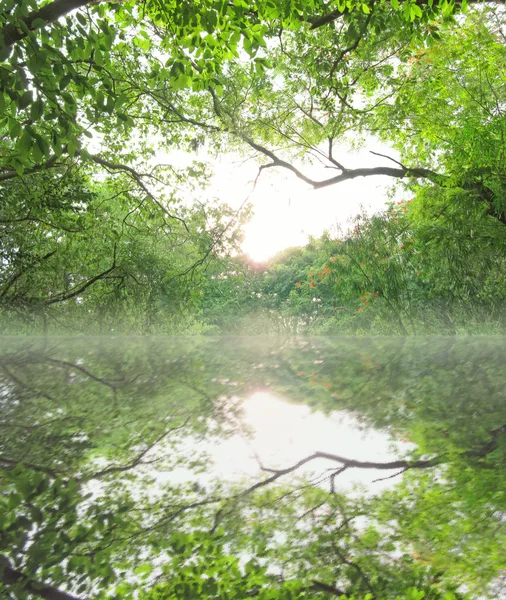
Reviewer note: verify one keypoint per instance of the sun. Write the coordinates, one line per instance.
(265, 237)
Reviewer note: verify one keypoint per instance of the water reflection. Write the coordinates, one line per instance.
(277, 433)
(165, 432)
(67, 403)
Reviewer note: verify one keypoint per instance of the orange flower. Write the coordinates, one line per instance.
(298, 284)
(300, 374)
(311, 285)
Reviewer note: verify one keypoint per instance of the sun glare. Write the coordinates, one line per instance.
(287, 211)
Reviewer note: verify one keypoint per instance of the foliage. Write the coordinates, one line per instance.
(104, 494)
(97, 91)
(107, 490)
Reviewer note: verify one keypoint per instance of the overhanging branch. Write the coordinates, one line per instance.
(346, 174)
(138, 179)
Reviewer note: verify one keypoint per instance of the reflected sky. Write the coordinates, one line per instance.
(74, 403)
(279, 433)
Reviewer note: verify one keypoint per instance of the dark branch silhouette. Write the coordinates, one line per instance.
(49, 13)
(11, 576)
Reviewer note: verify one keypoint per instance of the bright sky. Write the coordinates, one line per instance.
(287, 211)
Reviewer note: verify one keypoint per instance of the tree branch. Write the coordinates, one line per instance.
(51, 162)
(137, 178)
(11, 576)
(138, 459)
(350, 463)
(14, 463)
(76, 291)
(323, 20)
(15, 277)
(70, 365)
(345, 175)
(49, 13)
(319, 586)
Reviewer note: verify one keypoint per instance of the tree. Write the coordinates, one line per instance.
(358, 87)
(103, 256)
(65, 61)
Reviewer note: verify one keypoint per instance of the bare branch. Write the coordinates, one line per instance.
(390, 476)
(388, 157)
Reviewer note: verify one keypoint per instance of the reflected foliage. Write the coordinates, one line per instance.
(105, 476)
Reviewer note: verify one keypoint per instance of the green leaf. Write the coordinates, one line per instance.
(24, 143)
(65, 80)
(144, 569)
(42, 145)
(5, 52)
(36, 110)
(72, 146)
(98, 57)
(37, 154)
(81, 18)
(18, 166)
(38, 23)
(25, 100)
(14, 129)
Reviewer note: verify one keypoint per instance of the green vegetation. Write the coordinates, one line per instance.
(109, 114)
(100, 233)
(105, 494)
